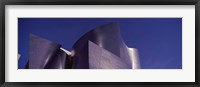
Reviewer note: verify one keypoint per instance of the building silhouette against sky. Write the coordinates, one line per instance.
(100, 48)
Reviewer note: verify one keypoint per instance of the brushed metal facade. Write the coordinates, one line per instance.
(106, 36)
(100, 48)
(99, 58)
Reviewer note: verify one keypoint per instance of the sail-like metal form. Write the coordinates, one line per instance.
(107, 37)
(100, 48)
(45, 54)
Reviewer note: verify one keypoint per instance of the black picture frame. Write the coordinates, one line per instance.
(98, 2)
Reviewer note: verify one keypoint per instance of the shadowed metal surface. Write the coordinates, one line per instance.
(45, 54)
(100, 48)
(106, 36)
(99, 58)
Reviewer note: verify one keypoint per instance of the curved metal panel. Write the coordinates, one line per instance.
(106, 36)
(100, 48)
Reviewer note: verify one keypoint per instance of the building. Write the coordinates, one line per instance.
(100, 48)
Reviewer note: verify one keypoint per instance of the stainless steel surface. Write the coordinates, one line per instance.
(100, 48)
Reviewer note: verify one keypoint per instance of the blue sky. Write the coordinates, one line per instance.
(158, 40)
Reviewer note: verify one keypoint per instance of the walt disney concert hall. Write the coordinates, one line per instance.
(101, 48)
